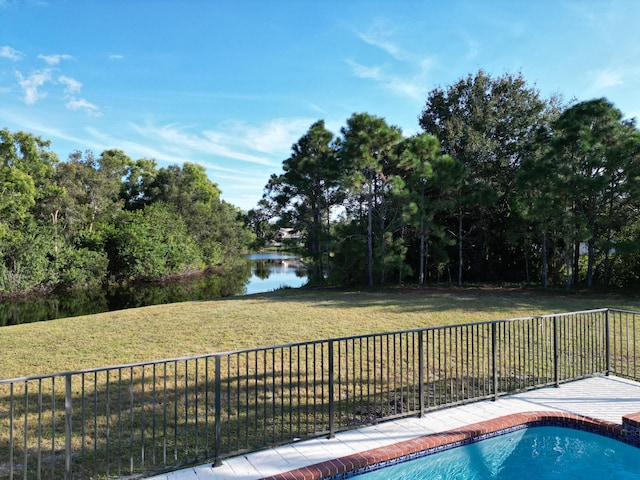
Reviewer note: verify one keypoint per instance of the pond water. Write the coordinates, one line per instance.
(260, 273)
(272, 271)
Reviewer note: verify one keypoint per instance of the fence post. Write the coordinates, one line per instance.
(494, 358)
(556, 354)
(218, 429)
(607, 342)
(331, 393)
(421, 347)
(67, 427)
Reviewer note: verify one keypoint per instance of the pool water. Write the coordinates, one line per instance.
(540, 453)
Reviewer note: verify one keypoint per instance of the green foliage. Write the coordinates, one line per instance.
(215, 226)
(81, 267)
(368, 153)
(151, 243)
(93, 219)
(592, 165)
(503, 185)
(25, 259)
(17, 196)
(349, 255)
(433, 181)
(305, 194)
(489, 125)
(258, 220)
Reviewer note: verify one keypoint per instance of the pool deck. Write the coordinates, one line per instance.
(602, 398)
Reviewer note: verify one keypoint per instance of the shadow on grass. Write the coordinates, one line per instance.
(442, 299)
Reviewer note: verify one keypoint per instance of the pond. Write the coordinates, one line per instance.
(271, 271)
(260, 273)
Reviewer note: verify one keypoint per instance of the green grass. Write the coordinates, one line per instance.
(262, 399)
(285, 316)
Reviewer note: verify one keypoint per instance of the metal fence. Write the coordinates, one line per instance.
(131, 420)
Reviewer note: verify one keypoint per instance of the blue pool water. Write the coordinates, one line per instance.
(540, 453)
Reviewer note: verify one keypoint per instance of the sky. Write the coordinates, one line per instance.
(233, 84)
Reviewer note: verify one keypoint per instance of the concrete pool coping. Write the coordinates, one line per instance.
(601, 401)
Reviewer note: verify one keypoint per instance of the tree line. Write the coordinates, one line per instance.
(501, 185)
(92, 220)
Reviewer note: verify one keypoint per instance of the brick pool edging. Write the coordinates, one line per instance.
(358, 463)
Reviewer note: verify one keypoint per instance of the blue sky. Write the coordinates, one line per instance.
(232, 84)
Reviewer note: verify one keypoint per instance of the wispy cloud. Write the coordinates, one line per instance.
(84, 105)
(30, 85)
(71, 85)
(378, 36)
(10, 53)
(171, 139)
(620, 79)
(54, 59)
(362, 71)
(274, 137)
(411, 84)
(116, 56)
(264, 144)
(25, 120)
(605, 79)
(318, 109)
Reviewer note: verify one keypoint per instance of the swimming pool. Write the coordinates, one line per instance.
(546, 452)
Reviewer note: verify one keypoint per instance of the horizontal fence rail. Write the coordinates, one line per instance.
(133, 420)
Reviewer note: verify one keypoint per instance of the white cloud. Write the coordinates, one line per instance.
(54, 59)
(362, 71)
(10, 53)
(377, 37)
(318, 109)
(71, 84)
(116, 56)
(173, 139)
(275, 137)
(25, 120)
(82, 104)
(411, 85)
(265, 144)
(32, 83)
(605, 79)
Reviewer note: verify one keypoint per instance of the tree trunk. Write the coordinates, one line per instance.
(544, 260)
(316, 247)
(526, 266)
(568, 265)
(590, 261)
(328, 239)
(370, 235)
(460, 248)
(576, 262)
(421, 269)
(383, 244)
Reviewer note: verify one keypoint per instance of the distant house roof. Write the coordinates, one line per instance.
(287, 234)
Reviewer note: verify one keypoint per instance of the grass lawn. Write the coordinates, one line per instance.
(285, 316)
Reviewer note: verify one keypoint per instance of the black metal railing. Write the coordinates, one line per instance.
(131, 420)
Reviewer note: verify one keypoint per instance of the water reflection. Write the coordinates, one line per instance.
(260, 273)
(272, 271)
